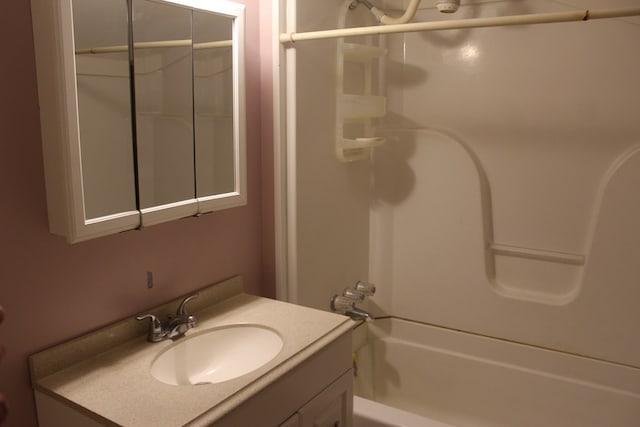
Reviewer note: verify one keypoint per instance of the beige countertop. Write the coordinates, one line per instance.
(106, 374)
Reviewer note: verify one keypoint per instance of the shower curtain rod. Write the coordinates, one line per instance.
(538, 18)
(155, 45)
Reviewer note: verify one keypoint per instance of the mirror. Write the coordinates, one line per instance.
(213, 103)
(164, 102)
(104, 106)
(151, 99)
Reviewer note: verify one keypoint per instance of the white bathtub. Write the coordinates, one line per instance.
(368, 413)
(415, 375)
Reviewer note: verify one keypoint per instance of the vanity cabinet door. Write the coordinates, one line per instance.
(333, 407)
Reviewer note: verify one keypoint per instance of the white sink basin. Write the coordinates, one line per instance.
(217, 355)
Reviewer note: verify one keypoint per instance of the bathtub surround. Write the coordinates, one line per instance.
(502, 207)
(501, 203)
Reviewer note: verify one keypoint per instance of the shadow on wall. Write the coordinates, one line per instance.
(404, 76)
(394, 156)
(401, 147)
(437, 154)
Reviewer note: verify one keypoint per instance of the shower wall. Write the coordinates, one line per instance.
(503, 202)
(332, 199)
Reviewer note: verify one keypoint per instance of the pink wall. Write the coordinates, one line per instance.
(53, 291)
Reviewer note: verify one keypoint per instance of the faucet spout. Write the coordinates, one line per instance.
(182, 308)
(359, 314)
(183, 321)
(175, 326)
(179, 325)
(346, 304)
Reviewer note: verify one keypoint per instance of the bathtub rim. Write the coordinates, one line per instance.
(578, 369)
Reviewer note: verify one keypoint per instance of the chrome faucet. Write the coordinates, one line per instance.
(359, 314)
(346, 304)
(175, 326)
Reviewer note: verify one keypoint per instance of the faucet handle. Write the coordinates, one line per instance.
(341, 304)
(182, 308)
(367, 289)
(352, 294)
(155, 322)
(155, 326)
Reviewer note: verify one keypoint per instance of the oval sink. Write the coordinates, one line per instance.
(217, 355)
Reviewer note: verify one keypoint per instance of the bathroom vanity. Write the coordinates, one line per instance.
(105, 378)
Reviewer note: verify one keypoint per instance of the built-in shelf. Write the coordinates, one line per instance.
(361, 53)
(359, 143)
(355, 111)
(538, 254)
(362, 107)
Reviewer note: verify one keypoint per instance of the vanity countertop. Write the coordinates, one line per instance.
(106, 374)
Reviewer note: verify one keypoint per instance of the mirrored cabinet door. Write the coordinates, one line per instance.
(213, 103)
(163, 64)
(219, 108)
(142, 111)
(59, 91)
(103, 91)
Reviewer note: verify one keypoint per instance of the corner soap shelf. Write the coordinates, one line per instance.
(355, 111)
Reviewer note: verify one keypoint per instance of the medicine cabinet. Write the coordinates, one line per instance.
(142, 111)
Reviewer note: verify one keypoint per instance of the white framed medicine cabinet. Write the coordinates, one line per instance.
(142, 111)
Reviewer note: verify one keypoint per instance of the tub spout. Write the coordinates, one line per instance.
(346, 305)
(358, 314)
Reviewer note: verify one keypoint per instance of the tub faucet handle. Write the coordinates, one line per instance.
(341, 303)
(354, 295)
(365, 288)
